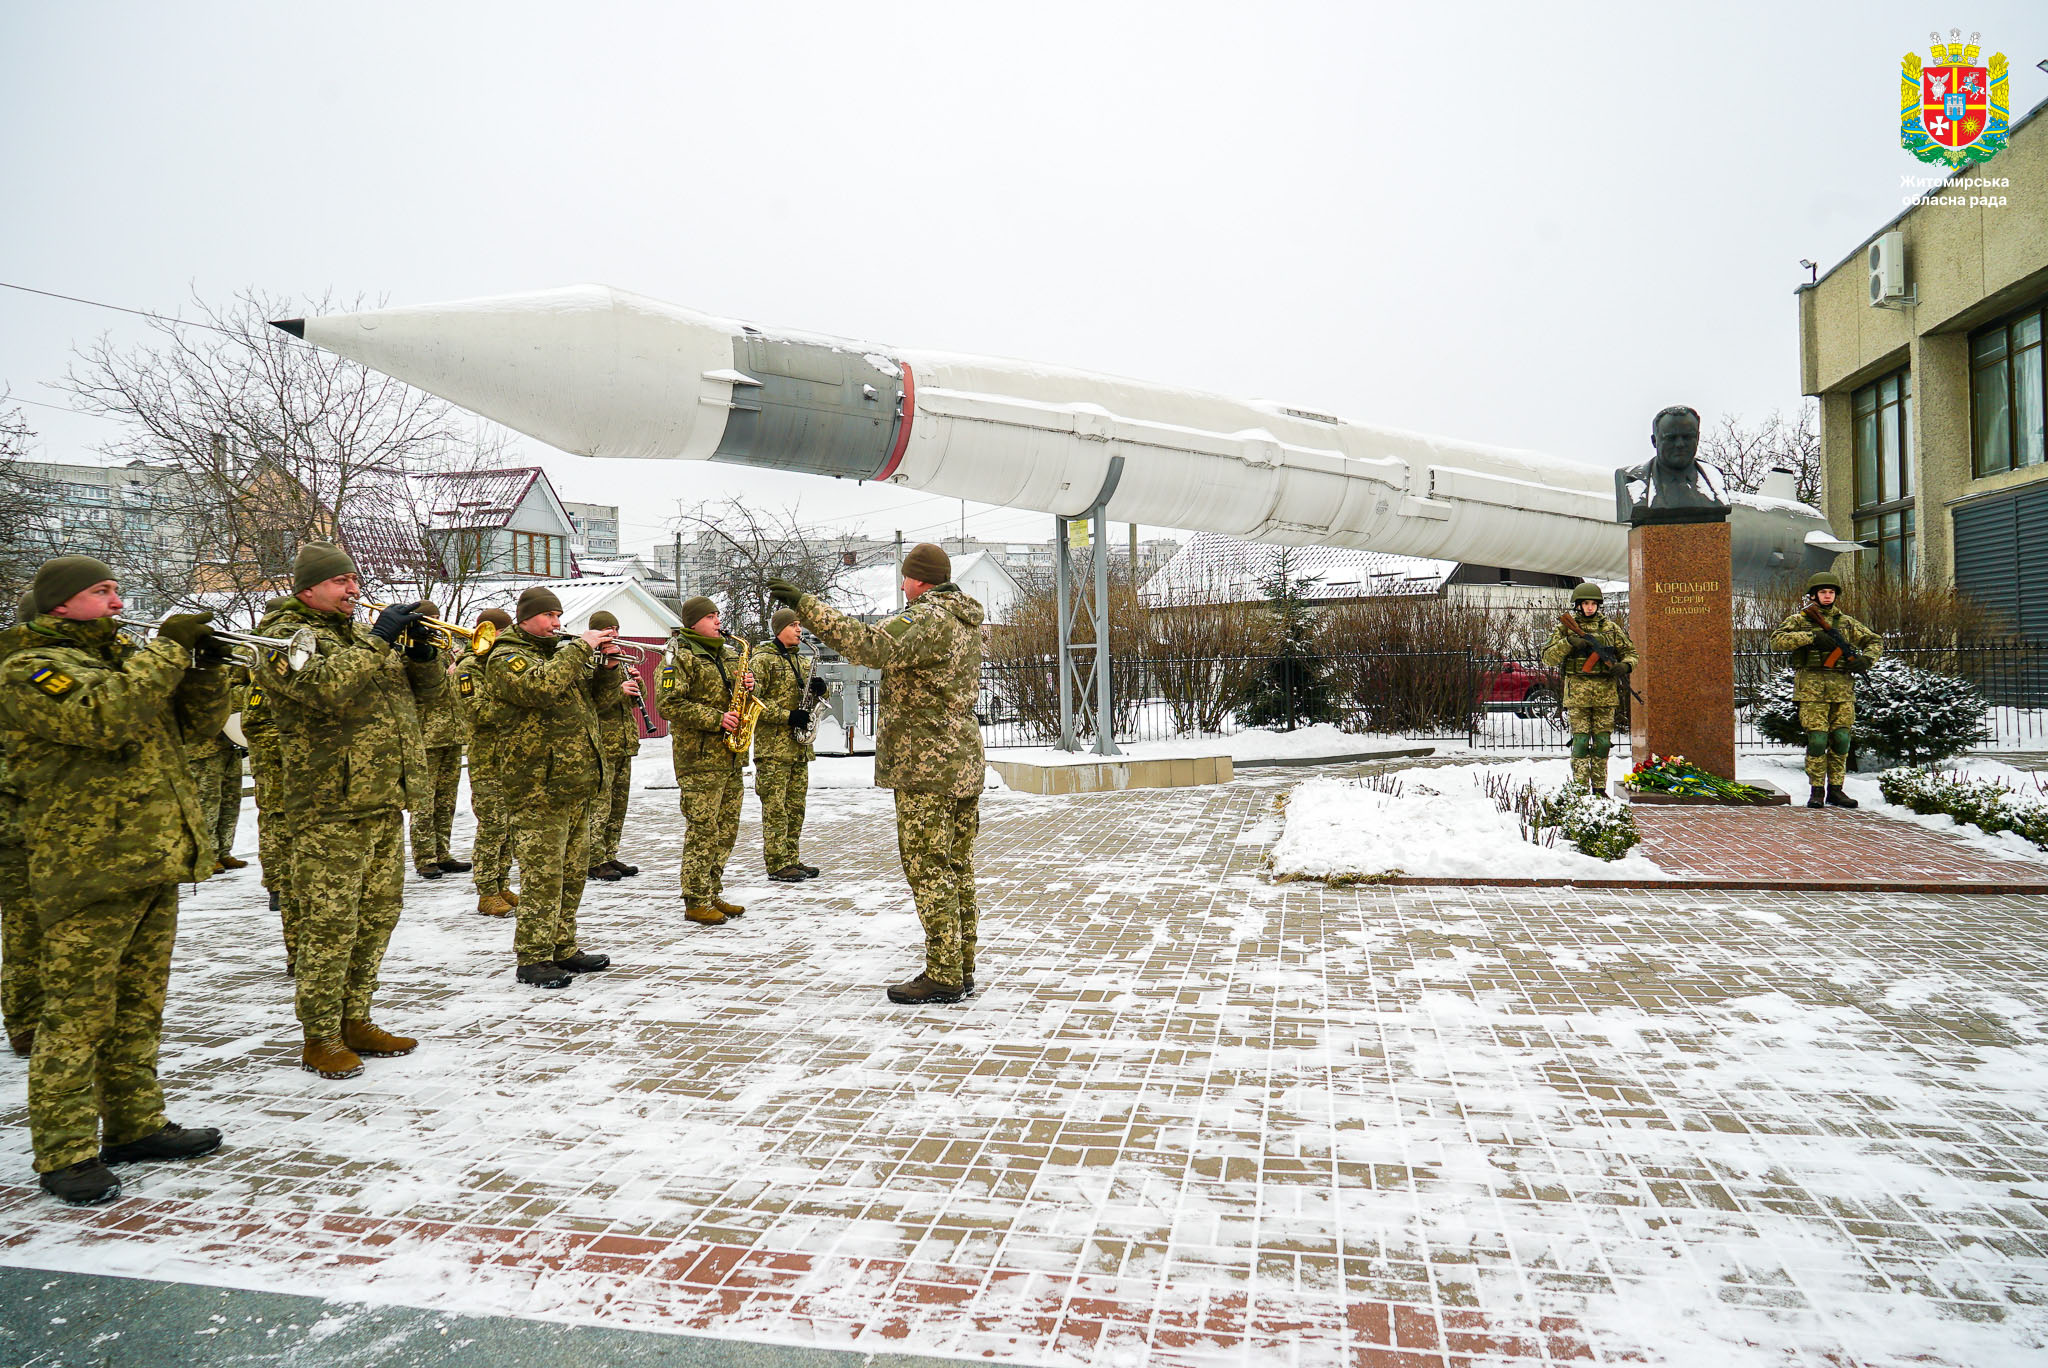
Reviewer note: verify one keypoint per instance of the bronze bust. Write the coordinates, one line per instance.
(1676, 486)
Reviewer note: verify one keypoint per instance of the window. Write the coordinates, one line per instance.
(536, 553)
(1882, 437)
(1893, 534)
(2006, 395)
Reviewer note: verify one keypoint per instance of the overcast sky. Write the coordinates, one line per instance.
(1532, 225)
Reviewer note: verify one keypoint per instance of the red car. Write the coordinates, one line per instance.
(1520, 688)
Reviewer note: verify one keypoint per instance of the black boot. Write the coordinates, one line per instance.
(622, 869)
(546, 974)
(1817, 796)
(454, 866)
(273, 900)
(789, 874)
(810, 871)
(428, 871)
(85, 1183)
(967, 985)
(922, 989)
(583, 962)
(1837, 798)
(172, 1142)
(602, 871)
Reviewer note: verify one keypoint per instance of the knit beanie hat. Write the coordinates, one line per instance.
(65, 576)
(783, 617)
(928, 563)
(602, 621)
(26, 609)
(427, 608)
(536, 600)
(695, 609)
(318, 562)
(497, 617)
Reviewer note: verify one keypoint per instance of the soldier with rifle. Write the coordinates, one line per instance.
(1595, 656)
(1829, 649)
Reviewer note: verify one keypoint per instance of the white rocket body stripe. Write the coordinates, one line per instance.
(599, 372)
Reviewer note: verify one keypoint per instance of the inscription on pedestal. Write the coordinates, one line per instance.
(1681, 619)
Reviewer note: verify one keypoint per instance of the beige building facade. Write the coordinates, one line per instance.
(1932, 400)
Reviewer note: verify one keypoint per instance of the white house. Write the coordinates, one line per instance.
(485, 523)
(872, 593)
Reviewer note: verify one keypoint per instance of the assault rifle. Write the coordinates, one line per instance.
(1843, 655)
(1597, 650)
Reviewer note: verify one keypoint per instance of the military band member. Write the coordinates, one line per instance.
(927, 748)
(217, 775)
(444, 728)
(550, 765)
(492, 851)
(112, 827)
(1594, 660)
(273, 832)
(21, 936)
(618, 723)
(352, 764)
(697, 683)
(782, 759)
(1829, 649)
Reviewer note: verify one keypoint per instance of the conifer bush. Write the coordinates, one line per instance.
(1909, 714)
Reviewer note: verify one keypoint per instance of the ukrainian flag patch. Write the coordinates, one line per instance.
(53, 681)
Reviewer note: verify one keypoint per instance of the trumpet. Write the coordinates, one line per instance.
(479, 637)
(298, 648)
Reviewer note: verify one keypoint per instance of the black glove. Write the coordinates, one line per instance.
(784, 593)
(212, 650)
(395, 618)
(187, 629)
(799, 718)
(420, 647)
(817, 687)
(1622, 667)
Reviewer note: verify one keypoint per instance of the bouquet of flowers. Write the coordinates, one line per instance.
(1676, 774)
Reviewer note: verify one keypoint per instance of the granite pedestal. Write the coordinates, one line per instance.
(1681, 618)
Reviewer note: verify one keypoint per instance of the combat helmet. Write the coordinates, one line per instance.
(1823, 579)
(1587, 590)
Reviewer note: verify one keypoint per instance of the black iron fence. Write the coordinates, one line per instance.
(1485, 701)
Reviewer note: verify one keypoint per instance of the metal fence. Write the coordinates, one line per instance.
(1487, 702)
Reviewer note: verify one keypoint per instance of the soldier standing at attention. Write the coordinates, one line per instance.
(695, 696)
(492, 850)
(1593, 660)
(444, 726)
(551, 765)
(273, 833)
(352, 764)
(113, 827)
(927, 748)
(782, 762)
(217, 775)
(619, 727)
(1829, 649)
(21, 937)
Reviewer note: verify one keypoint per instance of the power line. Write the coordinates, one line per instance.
(118, 308)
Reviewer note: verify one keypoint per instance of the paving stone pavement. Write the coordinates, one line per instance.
(1192, 1117)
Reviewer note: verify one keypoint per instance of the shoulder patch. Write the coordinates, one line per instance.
(254, 698)
(668, 676)
(898, 625)
(466, 684)
(278, 664)
(517, 664)
(53, 681)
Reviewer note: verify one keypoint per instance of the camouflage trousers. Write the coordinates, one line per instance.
(552, 842)
(1592, 730)
(493, 850)
(608, 813)
(935, 838)
(273, 835)
(711, 823)
(1827, 726)
(431, 830)
(348, 879)
(21, 946)
(217, 774)
(782, 786)
(93, 1074)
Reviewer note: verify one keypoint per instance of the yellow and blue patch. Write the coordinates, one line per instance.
(53, 681)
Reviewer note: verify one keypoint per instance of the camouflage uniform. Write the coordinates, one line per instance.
(550, 765)
(273, 834)
(782, 764)
(1826, 697)
(927, 748)
(113, 826)
(352, 764)
(1592, 692)
(696, 687)
(618, 725)
(444, 727)
(492, 852)
(217, 776)
(21, 938)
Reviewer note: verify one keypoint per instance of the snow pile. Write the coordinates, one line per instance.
(1789, 774)
(1440, 824)
(1245, 747)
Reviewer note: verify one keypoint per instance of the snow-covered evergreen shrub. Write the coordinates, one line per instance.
(1982, 803)
(1902, 711)
(1601, 827)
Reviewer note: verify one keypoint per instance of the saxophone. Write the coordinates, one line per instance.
(743, 702)
(818, 704)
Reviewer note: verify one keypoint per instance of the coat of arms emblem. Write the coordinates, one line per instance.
(1952, 111)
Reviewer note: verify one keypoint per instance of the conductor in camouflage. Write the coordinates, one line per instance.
(927, 748)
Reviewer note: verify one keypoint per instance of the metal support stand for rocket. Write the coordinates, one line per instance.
(1085, 702)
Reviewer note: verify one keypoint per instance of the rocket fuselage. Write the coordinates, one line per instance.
(599, 372)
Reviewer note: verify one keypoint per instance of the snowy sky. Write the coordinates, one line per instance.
(1528, 225)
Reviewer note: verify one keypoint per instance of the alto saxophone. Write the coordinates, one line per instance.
(743, 702)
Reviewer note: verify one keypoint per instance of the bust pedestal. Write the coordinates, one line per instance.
(1681, 618)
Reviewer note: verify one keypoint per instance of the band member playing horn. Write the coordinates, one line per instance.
(492, 852)
(782, 747)
(352, 766)
(444, 728)
(217, 774)
(21, 935)
(550, 766)
(619, 725)
(702, 684)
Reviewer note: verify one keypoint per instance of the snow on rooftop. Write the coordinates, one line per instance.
(1212, 568)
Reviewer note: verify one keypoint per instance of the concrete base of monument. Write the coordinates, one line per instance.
(1776, 797)
(1083, 773)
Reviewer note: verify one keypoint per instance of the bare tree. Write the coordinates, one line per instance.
(28, 534)
(740, 548)
(1746, 453)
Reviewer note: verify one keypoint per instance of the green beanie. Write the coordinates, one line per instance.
(602, 621)
(929, 563)
(65, 576)
(497, 617)
(317, 563)
(427, 608)
(536, 600)
(26, 609)
(784, 617)
(695, 609)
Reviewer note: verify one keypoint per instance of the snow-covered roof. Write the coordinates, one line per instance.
(1212, 568)
(476, 498)
(625, 596)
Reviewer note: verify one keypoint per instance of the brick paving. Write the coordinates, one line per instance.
(1193, 1117)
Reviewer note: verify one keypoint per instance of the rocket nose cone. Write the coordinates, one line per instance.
(295, 326)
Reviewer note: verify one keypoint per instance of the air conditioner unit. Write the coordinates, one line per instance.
(1887, 262)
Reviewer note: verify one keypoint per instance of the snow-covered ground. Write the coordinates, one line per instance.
(1251, 746)
(1788, 772)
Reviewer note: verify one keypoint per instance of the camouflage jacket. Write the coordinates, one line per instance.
(618, 724)
(1588, 683)
(696, 687)
(11, 640)
(259, 724)
(487, 719)
(348, 735)
(96, 729)
(444, 721)
(548, 751)
(929, 740)
(780, 677)
(1810, 650)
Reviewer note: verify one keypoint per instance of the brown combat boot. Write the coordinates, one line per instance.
(728, 909)
(373, 1042)
(703, 913)
(23, 1044)
(494, 905)
(922, 989)
(328, 1057)
(230, 862)
(509, 896)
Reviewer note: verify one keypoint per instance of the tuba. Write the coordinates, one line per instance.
(743, 702)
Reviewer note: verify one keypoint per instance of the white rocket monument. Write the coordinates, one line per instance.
(596, 371)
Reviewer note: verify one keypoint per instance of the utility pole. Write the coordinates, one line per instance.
(1134, 555)
(899, 569)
